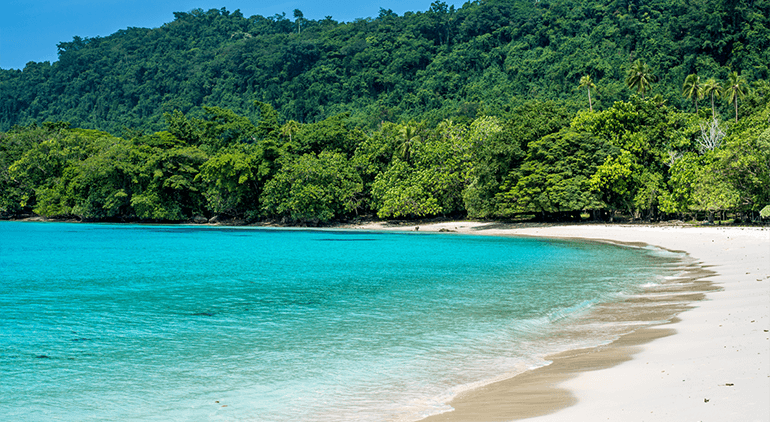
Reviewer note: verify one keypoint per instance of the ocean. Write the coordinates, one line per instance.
(103, 322)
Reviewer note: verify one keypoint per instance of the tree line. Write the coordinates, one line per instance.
(640, 158)
(478, 111)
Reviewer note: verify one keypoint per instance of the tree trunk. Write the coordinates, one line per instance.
(590, 106)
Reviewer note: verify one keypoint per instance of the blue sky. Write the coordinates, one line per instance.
(30, 29)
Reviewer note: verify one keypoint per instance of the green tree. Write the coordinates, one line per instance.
(588, 84)
(692, 89)
(743, 161)
(268, 121)
(712, 192)
(712, 88)
(423, 66)
(313, 188)
(331, 134)
(167, 188)
(45, 173)
(640, 77)
(642, 133)
(298, 15)
(555, 177)
(15, 192)
(499, 149)
(734, 89)
(373, 156)
(233, 179)
(433, 182)
(103, 184)
(678, 199)
(411, 135)
(616, 182)
(403, 192)
(184, 128)
(223, 127)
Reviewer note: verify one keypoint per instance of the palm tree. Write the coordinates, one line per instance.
(410, 135)
(289, 129)
(711, 88)
(734, 90)
(692, 89)
(298, 15)
(640, 77)
(586, 82)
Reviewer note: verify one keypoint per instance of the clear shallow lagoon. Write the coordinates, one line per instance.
(179, 323)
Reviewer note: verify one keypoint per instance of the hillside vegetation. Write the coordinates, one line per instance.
(499, 109)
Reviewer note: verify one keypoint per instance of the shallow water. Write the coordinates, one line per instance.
(143, 323)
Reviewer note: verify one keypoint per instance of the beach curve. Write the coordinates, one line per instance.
(711, 362)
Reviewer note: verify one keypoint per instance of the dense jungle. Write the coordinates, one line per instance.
(554, 110)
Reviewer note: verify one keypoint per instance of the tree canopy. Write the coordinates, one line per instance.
(443, 63)
(478, 111)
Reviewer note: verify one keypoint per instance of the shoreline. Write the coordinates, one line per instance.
(710, 361)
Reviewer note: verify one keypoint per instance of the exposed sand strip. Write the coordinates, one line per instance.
(711, 363)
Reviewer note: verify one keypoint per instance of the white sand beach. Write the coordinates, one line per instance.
(711, 363)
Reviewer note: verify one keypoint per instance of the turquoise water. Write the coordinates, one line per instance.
(179, 323)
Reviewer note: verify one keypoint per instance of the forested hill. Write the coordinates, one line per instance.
(482, 59)
(503, 110)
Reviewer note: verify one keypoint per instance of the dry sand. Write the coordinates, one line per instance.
(710, 363)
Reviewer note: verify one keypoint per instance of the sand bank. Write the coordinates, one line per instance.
(710, 363)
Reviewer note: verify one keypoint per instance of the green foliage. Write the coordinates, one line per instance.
(233, 180)
(616, 182)
(640, 157)
(643, 134)
(693, 89)
(739, 172)
(443, 63)
(313, 188)
(713, 192)
(222, 128)
(735, 88)
(15, 192)
(555, 176)
(102, 184)
(640, 77)
(444, 112)
(42, 175)
(432, 181)
(500, 149)
(268, 123)
(587, 83)
(684, 173)
(332, 134)
(495, 156)
(712, 88)
(167, 185)
(402, 192)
